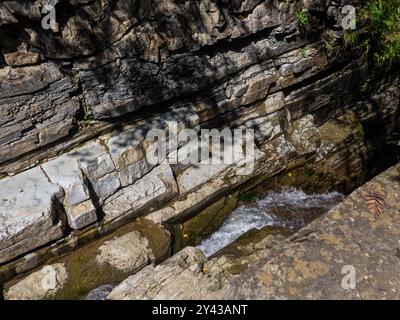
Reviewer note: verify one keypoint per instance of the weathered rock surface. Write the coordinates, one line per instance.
(314, 263)
(79, 100)
(39, 107)
(129, 253)
(65, 172)
(310, 264)
(108, 260)
(133, 55)
(180, 277)
(29, 213)
(42, 284)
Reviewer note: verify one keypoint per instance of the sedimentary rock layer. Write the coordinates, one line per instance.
(80, 99)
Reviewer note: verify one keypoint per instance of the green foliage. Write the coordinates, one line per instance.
(303, 19)
(384, 19)
(304, 52)
(367, 44)
(350, 38)
(326, 47)
(87, 119)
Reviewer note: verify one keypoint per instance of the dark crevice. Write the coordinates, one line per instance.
(94, 197)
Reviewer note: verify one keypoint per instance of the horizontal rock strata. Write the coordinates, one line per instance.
(79, 101)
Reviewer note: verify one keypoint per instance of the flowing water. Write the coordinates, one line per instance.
(290, 208)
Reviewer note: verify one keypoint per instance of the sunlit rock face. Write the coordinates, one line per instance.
(78, 100)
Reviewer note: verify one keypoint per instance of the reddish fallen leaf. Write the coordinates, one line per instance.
(375, 203)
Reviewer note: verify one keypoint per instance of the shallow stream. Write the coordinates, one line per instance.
(291, 209)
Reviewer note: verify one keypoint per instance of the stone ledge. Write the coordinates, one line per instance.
(29, 213)
(309, 264)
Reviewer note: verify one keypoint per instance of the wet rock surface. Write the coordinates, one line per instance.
(240, 248)
(180, 277)
(309, 265)
(43, 284)
(106, 261)
(314, 263)
(78, 100)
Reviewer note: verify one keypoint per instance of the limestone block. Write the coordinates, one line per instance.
(115, 206)
(180, 277)
(128, 253)
(94, 160)
(65, 172)
(305, 136)
(233, 151)
(42, 284)
(132, 148)
(134, 172)
(28, 213)
(303, 64)
(182, 205)
(274, 102)
(153, 189)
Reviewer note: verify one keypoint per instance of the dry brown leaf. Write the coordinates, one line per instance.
(375, 203)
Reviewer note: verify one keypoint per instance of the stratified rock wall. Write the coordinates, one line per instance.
(77, 102)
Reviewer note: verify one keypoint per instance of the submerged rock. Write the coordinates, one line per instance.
(106, 261)
(42, 284)
(128, 253)
(100, 293)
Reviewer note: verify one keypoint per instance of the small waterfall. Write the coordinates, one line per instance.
(290, 208)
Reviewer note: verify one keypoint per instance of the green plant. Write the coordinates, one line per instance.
(303, 19)
(304, 52)
(350, 38)
(360, 127)
(367, 45)
(87, 119)
(326, 47)
(384, 29)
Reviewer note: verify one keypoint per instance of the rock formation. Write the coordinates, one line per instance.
(311, 264)
(79, 99)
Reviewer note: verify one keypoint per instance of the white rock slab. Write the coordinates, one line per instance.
(28, 213)
(98, 167)
(65, 172)
(94, 160)
(156, 187)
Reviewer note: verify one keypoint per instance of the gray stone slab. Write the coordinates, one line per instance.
(28, 213)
